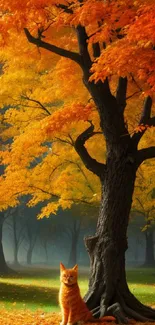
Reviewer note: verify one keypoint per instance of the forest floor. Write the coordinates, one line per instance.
(31, 297)
(37, 288)
(25, 317)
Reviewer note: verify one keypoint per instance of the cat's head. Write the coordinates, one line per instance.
(68, 276)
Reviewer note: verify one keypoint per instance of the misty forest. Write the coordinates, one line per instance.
(77, 162)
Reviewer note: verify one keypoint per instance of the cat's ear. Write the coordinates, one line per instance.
(62, 267)
(75, 268)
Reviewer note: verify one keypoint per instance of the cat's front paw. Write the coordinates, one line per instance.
(62, 323)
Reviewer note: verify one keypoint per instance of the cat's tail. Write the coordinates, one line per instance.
(104, 319)
(107, 319)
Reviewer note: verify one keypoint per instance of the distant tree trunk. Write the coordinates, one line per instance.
(32, 237)
(74, 243)
(46, 252)
(44, 244)
(16, 244)
(149, 250)
(73, 253)
(136, 249)
(4, 269)
(15, 260)
(29, 255)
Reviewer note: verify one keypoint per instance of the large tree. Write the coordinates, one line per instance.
(116, 56)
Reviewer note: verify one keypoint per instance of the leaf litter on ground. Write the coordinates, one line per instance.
(26, 317)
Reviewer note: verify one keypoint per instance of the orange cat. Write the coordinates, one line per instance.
(73, 307)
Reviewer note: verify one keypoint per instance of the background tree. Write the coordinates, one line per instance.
(74, 222)
(144, 202)
(4, 269)
(48, 232)
(136, 242)
(16, 226)
(116, 58)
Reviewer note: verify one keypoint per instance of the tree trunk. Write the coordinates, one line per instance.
(74, 242)
(29, 255)
(107, 285)
(4, 269)
(136, 249)
(15, 261)
(16, 246)
(32, 237)
(149, 250)
(46, 253)
(73, 252)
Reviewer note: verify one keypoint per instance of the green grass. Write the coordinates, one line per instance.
(38, 289)
(142, 284)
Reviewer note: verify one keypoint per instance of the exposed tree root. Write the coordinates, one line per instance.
(114, 310)
(127, 307)
(135, 304)
(108, 292)
(122, 315)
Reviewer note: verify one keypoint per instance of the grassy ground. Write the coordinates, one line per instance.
(142, 284)
(38, 289)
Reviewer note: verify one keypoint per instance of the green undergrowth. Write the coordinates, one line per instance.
(38, 288)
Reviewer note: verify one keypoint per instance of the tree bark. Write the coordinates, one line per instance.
(107, 285)
(149, 249)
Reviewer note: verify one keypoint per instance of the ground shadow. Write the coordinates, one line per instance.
(141, 276)
(28, 294)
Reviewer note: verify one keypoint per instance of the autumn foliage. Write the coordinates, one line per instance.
(42, 111)
(26, 317)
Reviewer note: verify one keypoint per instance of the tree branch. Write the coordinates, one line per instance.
(83, 47)
(96, 50)
(151, 121)
(65, 8)
(146, 153)
(90, 163)
(37, 102)
(144, 119)
(121, 93)
(82, 172)
(52, 48)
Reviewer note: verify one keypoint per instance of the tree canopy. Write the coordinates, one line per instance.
(47, 110)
